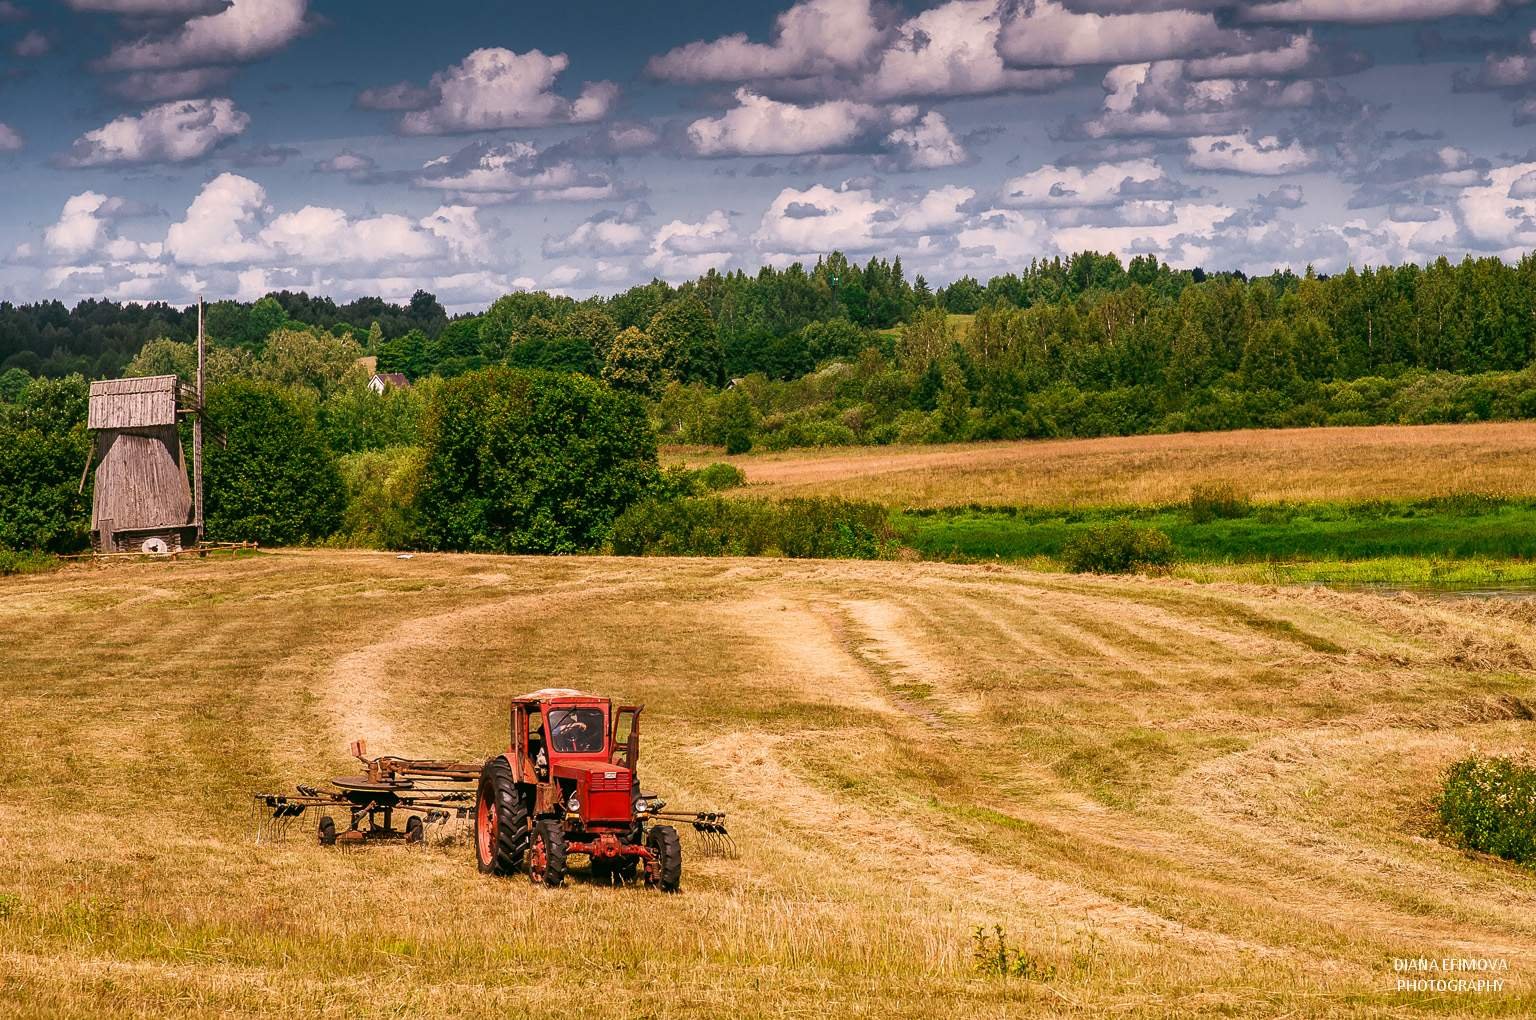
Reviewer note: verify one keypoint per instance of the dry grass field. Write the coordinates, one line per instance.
(1179, 800)
(1385, 462)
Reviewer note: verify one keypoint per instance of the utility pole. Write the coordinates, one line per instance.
(197, 432)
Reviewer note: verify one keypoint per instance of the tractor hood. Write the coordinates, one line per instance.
(593, 769)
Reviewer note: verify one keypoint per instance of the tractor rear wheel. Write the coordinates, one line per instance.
(501, 821)
(546, 855)
(667, 871)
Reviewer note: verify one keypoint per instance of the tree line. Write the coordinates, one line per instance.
(838, 353)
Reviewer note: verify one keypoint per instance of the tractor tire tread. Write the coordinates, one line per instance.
(511, 843)
(668, 847)
(553, 835)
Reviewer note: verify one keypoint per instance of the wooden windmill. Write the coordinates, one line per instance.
(142, 502)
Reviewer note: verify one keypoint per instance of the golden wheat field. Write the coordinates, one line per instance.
(1382, 462)
(1174, 799)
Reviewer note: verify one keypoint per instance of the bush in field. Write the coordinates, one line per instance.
(526, 461)
(1211, 501)
(1119, 547)
(717, 477)
(1489, 805)
(382, 488)
(28, 562)
(797, 528)
(276, 481)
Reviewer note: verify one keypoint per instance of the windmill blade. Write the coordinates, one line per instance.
(85, 473)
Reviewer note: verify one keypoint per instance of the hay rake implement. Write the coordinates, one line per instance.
(708, 828)
(422, 792)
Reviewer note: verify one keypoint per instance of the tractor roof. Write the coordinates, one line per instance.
(558, 694)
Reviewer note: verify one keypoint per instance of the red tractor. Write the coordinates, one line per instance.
(567, 784)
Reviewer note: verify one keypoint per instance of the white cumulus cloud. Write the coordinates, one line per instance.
(812, 37)
(927, 144)
(246, 30)
(1243, 154)
(1045, 34)
(496, 88)
(682, 248)
(1062, 187)
(759, 126)
(169, 133)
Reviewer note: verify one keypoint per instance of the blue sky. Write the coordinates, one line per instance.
(155, 149)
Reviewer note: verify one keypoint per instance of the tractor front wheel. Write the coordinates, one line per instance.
(666, 871)
(501, 821)
(546, 855)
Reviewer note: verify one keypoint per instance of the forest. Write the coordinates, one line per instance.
(840, 353)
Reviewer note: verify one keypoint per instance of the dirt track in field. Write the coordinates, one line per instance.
(1380, 462)
(1180, 799)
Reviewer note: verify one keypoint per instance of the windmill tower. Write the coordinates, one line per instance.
(142, 502)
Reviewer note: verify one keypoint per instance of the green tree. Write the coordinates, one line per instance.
(522, 461)
(302, 357)
(43, 448)
(171, 357)
(636, 363)
(738, 419)
(276, 482)
(354, 418)
(685, 332)
(13, 381)
(382, 488)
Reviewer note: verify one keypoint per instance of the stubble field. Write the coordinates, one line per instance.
(1295, 465)
(1175, 799)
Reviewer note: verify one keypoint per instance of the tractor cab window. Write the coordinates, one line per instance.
(576, 730)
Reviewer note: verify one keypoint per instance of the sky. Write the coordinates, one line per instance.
(162, 149)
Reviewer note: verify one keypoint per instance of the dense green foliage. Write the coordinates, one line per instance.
(1118, 547)
(715, 526)
(521, 461)
(1489, 805)
(382, 490)
(1462, 527)
(43, 450)
(276, 481)
(27, 562)
(98, 338)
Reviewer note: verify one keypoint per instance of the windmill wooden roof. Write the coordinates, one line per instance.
(133, 403)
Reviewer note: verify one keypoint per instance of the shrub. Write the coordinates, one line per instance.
(1209, 501)
(1489, 805)
(276, 481)
(27, 562)
(1119, 547)
(718, 477)
(382, 487)
(714, 526)
(528, 461)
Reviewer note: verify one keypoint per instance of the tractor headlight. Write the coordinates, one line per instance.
(640, 805)
(573, 805)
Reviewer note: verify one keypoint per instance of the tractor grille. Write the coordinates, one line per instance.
(601, 782)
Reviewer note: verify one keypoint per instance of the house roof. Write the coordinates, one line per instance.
(396, 379)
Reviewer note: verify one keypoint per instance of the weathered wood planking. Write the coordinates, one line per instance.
(133, 403)
(141, 480)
